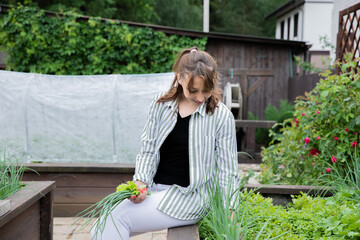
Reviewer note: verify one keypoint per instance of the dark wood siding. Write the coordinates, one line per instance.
(245, 57)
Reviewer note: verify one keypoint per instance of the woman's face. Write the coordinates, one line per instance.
(195, 94)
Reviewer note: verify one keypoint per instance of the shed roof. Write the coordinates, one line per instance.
(292, 4)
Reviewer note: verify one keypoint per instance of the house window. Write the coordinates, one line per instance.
(296, 21)
(288, 28)
(282, 29)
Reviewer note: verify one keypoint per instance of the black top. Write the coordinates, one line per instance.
(174, 156)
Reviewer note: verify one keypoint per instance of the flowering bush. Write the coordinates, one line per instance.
(325, 131)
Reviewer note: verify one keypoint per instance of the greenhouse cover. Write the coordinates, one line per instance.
(95, 118)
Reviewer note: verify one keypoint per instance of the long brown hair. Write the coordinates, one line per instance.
(193, 62)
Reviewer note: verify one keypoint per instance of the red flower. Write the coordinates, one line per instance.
(296, 120)
(318, 137)
(355, 134)
(314, 152)
(328, 170)
(303, 114)
(307, 140)
(333, 159)
(346, 130)
(317, 112)
(336, 138)
(354, 144)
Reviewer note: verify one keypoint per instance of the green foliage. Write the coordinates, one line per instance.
(245, 17)
(273, 114)
(309, 67)
(63, 45)
(229, 218)
(328, 118)
(129, 10)
(10, 176)
(305, 218)
(345, 180)
(187, 14)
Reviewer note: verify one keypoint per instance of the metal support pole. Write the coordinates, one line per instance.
(206, 15)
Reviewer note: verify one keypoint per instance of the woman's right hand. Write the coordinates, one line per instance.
(141, 197)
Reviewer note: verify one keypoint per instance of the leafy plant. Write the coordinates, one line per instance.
(305, 218)
(325, 131)
(273, 114)
(228, 218)
(104, 207)
(64, 45)
(10, 176)
(345, 180)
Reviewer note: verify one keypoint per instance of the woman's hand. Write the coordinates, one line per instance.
(143, 192)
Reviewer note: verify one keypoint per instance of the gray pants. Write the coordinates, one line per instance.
(129, 219)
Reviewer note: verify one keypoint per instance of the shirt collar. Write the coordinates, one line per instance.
(201, 109)
(173, 105)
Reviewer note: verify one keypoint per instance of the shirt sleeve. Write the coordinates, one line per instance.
(146, 159)
(227, 161)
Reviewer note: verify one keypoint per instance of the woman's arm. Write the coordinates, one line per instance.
(146, 159)
(227, 160)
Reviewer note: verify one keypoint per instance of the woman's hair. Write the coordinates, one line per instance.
(193, 63)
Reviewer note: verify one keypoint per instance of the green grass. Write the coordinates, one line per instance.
(10, 176)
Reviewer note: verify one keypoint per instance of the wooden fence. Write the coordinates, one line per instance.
(348, 37)
(300, 84)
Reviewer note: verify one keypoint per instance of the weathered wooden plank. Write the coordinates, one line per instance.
(94, 179)
(46, 216)
(255, 123)
(81, 195)
(189, 232)
(287, 189)
(69, 210)
(25, 197)
(29, 227)
(82, 167)
(5, 206)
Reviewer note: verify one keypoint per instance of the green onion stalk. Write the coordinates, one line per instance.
(104, 207)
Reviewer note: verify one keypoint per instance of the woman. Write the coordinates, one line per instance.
(189, 138)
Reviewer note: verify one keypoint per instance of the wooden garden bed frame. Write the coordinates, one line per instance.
(31, 213)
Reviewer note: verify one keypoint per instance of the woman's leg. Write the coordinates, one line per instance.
(130, 219)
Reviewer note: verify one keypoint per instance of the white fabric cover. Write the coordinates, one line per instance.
(96, 118)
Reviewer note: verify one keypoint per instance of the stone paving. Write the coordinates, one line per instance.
(64, 229)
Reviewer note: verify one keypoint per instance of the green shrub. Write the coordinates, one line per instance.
(66, 45)
(273, 114)
(305, 218)
(325, 131)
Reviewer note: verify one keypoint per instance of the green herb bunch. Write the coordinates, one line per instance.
(103, 208)
(10, 176)
(325, 130)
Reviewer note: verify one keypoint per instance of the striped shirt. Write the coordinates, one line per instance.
(212, 152)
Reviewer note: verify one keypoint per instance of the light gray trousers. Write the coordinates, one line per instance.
(129, 219)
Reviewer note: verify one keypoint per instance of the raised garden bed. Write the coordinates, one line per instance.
(31, 213)
(80, 185)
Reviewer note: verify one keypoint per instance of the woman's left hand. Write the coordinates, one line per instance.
(143, 193)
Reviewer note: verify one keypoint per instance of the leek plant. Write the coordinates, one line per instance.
(103, 208)
(10, 176)
(344, 180)
(229, 218)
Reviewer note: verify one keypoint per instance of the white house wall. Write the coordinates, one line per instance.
(314, 21)
(317, 23)
(284, 18)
